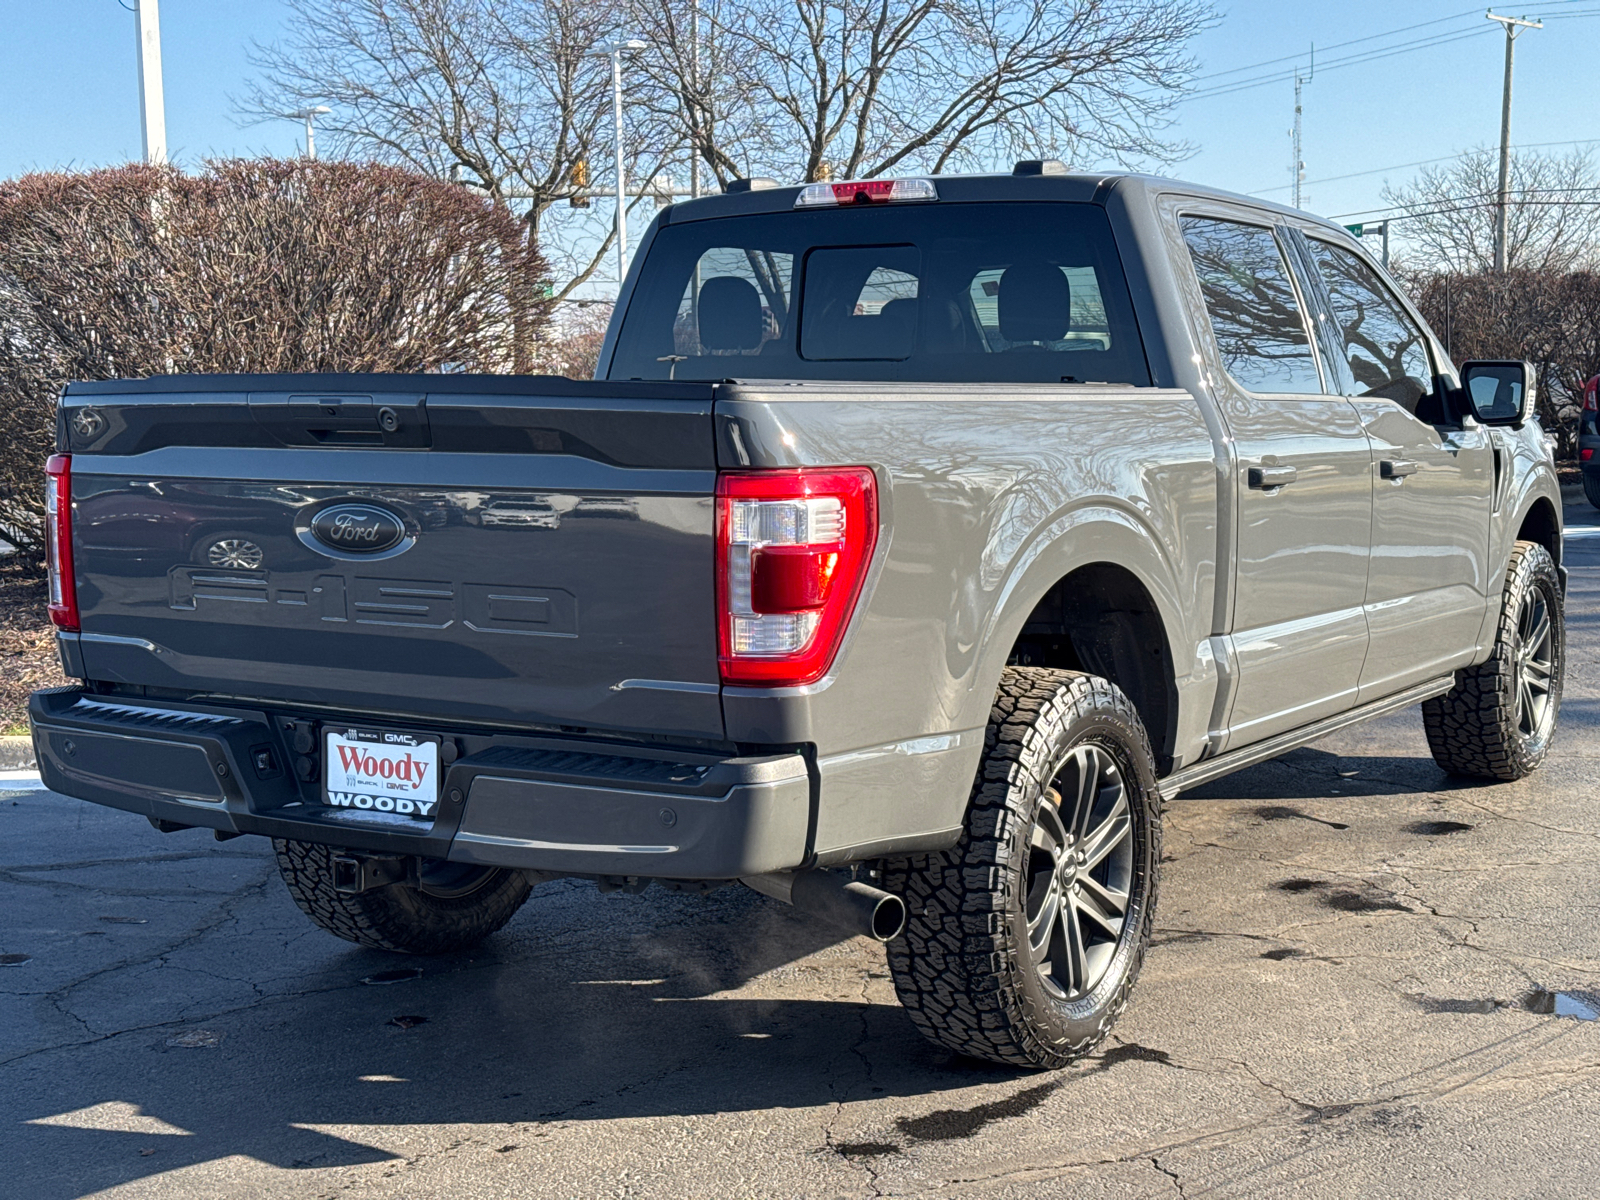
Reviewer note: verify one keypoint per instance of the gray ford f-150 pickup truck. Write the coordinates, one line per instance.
(914, 540)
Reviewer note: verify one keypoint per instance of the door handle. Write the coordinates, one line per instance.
(1271, 477)
(1398, 468)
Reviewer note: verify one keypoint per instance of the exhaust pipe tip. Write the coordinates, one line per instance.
(848, 903)
(888, 916)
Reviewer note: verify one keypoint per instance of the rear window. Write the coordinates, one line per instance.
(998, 292)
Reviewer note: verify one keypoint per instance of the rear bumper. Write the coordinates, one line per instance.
(546, 804)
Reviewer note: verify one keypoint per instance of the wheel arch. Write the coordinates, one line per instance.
(1541, 523)
(1112, 613)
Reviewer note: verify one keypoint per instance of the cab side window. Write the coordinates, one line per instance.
(1254, 311)
(1388, 353)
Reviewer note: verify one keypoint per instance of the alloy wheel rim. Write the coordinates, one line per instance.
(1079, 883)
(1535, 661)
(235, 554)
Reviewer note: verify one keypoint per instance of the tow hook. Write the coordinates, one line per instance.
(357, 873)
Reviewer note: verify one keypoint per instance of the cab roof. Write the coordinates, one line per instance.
(1076, 187)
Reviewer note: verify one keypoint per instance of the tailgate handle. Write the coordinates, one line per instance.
(1266, 478)
(343, 419)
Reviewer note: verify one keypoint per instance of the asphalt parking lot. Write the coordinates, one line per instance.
(1368, 980)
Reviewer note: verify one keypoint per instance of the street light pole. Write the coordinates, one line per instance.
(309, 116)
(694, 102)
(152, 105)
(615, 50)
(1502, 215)
(622, 183)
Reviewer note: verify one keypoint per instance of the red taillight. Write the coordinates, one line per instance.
(1585, 455)
(792, 551)
(58, 541)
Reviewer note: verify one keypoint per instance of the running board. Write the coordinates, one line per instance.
(1208, 769)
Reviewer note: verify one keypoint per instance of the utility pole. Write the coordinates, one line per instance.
(152, 106)
(1297, 169)
(1502, 214)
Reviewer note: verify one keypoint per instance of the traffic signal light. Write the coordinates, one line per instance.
(580, 184)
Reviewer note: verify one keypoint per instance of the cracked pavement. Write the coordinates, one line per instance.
(1350, 993)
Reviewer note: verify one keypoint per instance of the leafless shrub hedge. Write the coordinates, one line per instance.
(1549, 317)
(251, 265)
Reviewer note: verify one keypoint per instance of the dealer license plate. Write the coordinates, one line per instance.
(377, 770)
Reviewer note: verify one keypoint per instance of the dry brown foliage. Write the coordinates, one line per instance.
(28, 658)
(1550, 317)
(250, 265)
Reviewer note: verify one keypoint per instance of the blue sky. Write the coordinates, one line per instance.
(68, 88)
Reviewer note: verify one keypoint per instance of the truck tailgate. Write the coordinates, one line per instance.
(529, 551)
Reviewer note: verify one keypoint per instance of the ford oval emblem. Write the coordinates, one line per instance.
(358, 528)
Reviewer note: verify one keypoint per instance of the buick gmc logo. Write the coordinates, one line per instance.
(358, 528)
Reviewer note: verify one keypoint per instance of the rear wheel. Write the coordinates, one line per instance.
(1498, 720)
(1023, 942)
(452, 906)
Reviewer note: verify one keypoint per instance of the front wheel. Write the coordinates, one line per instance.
(452, 906)
(1498, 720)
(1023, 942)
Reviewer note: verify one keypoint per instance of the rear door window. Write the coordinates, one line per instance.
(1255, 313)
(964, 292)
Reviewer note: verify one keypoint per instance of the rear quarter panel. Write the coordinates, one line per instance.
(989, 495)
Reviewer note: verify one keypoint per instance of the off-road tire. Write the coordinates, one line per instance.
(1474, 728)
(1591, 488)
(963, 969)
(398, 917)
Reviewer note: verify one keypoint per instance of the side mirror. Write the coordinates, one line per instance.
(1499, 391)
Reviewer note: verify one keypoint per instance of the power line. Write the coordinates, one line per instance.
(1486, 200)
(1422, 162)
(1375, 54)
(1353, 60)
(1471, 12)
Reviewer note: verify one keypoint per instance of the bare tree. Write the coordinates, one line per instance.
(1447, 215)
(809, 89)
(249, 266)
(503, 96)
(504, 91)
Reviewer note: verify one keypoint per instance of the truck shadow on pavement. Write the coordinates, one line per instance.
(1314, 774)
(240, 1031)
(586, 1008)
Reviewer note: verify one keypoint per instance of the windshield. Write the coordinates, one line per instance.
(995, 292)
